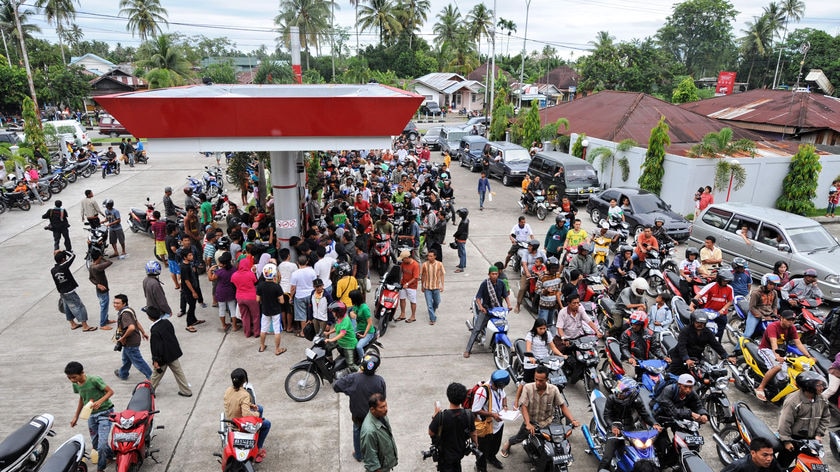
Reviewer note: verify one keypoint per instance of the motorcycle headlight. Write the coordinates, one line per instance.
(127, 423)
(251, 427)
(639, 444)
(722, 383)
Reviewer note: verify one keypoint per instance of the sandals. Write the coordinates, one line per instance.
(191, 329)
(280, 351)
(260, 456)
(410, 320)
(75, 327)
(198, 322)
(761, 395)
(505, 452)
(262, 348)
(89, 329)
(401, 318)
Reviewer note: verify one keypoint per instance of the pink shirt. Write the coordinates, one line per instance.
(244, 280)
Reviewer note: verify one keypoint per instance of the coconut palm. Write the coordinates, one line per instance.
(312, 19)
(479, 23)
(161, 55)
(446, 28)
(144, 17)
(462, 52)
(381, 15)
(608, 157)
(7, 21)
(412, 15)
(792, 10)
(603, 40)
(510, 27)
(757, 39)
(720, 144)
(61, 13)
(72, 35)
(273, 72)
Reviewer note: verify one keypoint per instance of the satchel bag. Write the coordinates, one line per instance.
(485, 426)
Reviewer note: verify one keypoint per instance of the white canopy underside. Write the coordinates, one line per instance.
(238, 144)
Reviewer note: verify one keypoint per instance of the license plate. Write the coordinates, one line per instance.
(390, 300)
(695, 440)
(126, 437)
(564, 459)
(243, 443)
(310, 354)
(819, 468)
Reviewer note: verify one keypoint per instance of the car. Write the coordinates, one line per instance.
(109, 125)
(54, 130)
(410, 131)
(432, 138)
(430, 109)
(508, 162)
(773, 236)
(449, 140)
(644, 208)
(470, 150)
(480, 122)
(9, 137)
(579, 179)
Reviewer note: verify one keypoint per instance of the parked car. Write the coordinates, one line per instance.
(431, 109)
(644, 208)
(774, 235)
(508, 162)
(480, 122)
(109, 125)
(432, 138)
(410, 131)
(579, 178)
(470, 151)
(449, 140)
(58, 128)
(9, 137)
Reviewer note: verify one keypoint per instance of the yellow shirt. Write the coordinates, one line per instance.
(447, 159)
(525, 183)
(343, 288)
(574, 238)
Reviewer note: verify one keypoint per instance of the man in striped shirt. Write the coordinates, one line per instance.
(431, 280)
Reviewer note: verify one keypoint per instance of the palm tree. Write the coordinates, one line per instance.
(603, 40)
(162, 55)
(272, 72)
(310, 16)
(479, 22)
(60, 13)
(381, 15)
(510, 27)
(720, 144)
(463, 53)
(757, 40)
(608, 156)
(7, 22)
(446, 29)
(412, 15)
(72, 35)
(144, 17)
(791, 9)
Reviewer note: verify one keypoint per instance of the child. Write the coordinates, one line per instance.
(344, 334)
(321, 299)
(364, 322)
(93, 389)
(159, 230)
(539, 268)
(659, 316)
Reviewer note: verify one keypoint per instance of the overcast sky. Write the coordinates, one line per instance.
(568, 26)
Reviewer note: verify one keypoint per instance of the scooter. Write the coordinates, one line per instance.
(239, 438)
(141, 221)
(553, 363)
(134, 429)
(686, 440)
(212, 182)
(601, 253)
(584, 362)
(682, 312)
(141, 157)
(27, 447)
(69, 457)
(387, 299)
(751, 368)
(734, 441)
(98, 238)
(612, 370)
(516, 259)
(537, 206)
(650, 270)
(712, 382)
(549, 448)
(14, 200)
(494, 335)
(381, 252)
(110, 167)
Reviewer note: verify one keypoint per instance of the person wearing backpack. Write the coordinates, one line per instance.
(488, 400)
(59, 225)
(451, 428)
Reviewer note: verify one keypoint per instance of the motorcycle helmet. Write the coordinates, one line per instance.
(153, 268)
(588, 247)
(639, 317)
(739, 262)
(223, 243)
(534, 244)
(108, 203)
(370, 363)
(560, 219)
(699, 316)
(659, 219)
(602, 224)
(337, 309)
(552, 262)
(343, 269)
(809, 380)
(640, 286)
(770, 278)
(269, 271)
(691, 251)
(235, 222)
(626, 388)
(724, 275)
(500, 378)
(462, 213)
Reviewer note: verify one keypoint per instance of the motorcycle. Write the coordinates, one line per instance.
(85, 168)
(516, 259)
(55, 182)
(712, 382)
(13, 200)
(638, 444)
(195, 185)
(623, 230)
(239, 438)
(387, 299)
(27, 447)
(682, 314)
(751, 368)
(584, 362)
(68, 171)
(687, 442)
(141, 157)
(494, 334)
(133, 430)
(537, 206)
(110, 167)
(42, 186)
(553, 363)
(734, 441)
(650, 269)
(611, 369)
(141, 221)
(381, 253)
(98, 238)
(69, 457)
(549, 448)
(212, 181)
(601, 253)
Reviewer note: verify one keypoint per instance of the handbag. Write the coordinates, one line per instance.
(453, 245)
(367, 284)
(485, 426)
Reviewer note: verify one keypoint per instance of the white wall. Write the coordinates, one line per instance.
(684, 175)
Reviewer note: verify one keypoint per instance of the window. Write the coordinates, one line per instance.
(609, 195)
(716, 217)
(738, 223)
(474, 97)
(770, 236)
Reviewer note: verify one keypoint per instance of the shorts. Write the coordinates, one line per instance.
(769, 358)
(174, 267)
(271, 324)
(160, 248)
(116, 235)
(409, 294)
(301, 308)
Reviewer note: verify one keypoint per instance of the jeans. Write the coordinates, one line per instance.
(432, 302)
(362, 344)
(751, 324)
(73, 307)
(462, 255)
(481, 196)
(357, 443)
(57, 234)
(99, 427)
(104, 298)
(131, 356)
(264, 429)
(547, 314)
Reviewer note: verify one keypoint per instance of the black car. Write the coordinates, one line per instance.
(645, 207)
(432, 138)
(431, 109)
(410, 131)
(471, 151)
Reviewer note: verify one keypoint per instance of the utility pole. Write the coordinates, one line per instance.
(524, 51)
(26, 58)
(492, 71)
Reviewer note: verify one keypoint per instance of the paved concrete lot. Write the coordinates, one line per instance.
(419, 360)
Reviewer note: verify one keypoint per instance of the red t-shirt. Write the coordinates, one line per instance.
(362, 205)
(716, 296)
(159, 230)
(774, 330)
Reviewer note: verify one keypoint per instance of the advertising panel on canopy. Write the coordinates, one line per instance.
(725, 83)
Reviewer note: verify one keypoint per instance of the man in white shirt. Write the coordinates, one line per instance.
(301, 289)
(323, 267)
(521, 232)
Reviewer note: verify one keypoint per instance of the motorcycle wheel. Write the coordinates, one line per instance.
(517, 371)
(736, 323)
(234, 465)
(40, 454)
(302, 385)
(2, 206)
(383, 324)
(87, 172)
(133, 227)
(81, 467)
(541, 213)
(45, 193)
(501, 355)
(134, 467)
(212, 192)
(87, 261)
(835, 449)
(740, 383)
(63, 182)
(588, 382)
(732, 437)
(717, 414)
(72, 177)
(607, 375)
(55, 187)
(25, 205)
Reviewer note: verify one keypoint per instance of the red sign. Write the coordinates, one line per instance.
(725, 83)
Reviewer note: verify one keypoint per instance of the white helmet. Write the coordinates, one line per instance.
(639, 285)
(269, 271)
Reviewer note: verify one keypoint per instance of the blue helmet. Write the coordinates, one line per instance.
(626, 388)
(500, 378)
(153, 268)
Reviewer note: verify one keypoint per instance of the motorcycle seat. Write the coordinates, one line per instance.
(20, 441)
(141, 214)
(519, 347)
(673, 277)
(752, 348)
(141, 399)
(600, 403)
(755, 426)
(679, 305)
(63, 458)
(744, 305)
(609, 305)
(693, 462)
(614, 349)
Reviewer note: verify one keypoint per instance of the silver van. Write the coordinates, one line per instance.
(773, 235)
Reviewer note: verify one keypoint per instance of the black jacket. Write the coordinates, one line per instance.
(624, 413)
(463, 231)
(642, 345)
(690, 344)
(668, 404)
(163, 343)
(57, 217)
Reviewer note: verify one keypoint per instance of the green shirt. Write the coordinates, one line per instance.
(379, 450)
(362, 317)
(348, 341)
(206, 213)
(93, 389)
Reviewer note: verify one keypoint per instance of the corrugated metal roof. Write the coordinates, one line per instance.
(471, 85)
(777, 107)
(617, 116)
(440, 80)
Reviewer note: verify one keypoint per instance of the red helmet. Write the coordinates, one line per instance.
(639, 317)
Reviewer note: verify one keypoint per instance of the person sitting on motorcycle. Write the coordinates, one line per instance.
(764, 304)
(572, 322)
(111, 158)
(632, 298)
(644, 243)
(660, 233)
(717, 296)
(238, 403)
(805, 289)
(692, 341)
(741, 277)
(548, 289)
(576, 236)
(762, 458)
(447, 192)
(491, 293)
(776, 337)
(520, 233)
(531, 191)
(659, 314)
(555, 236)
(638, 343)
(621, 411)
(677, 401)
(688, 271)
(615, 212)
(383, 226)
(539, 268)
(805, 415)
(584, 261)
(622, 264)
(540, 342)
(606, 237)
(710, 257)
(528, 258)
